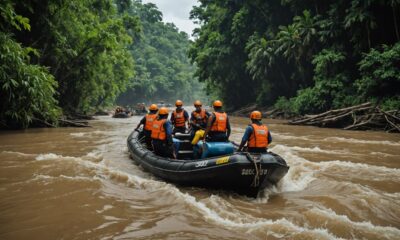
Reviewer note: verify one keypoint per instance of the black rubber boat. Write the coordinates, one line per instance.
(122, 115)
(241, 172)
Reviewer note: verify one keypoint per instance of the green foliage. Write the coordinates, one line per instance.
(26, 91)
(84, 45)
(218, 52)
(163, 71)
(391, 103)
(380, 73)
(11, 19)
(305, 51)
(77, 48)
(329, 89)
(284, 104)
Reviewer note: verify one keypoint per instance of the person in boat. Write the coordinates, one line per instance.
(198, 122)
(161, 135)
(143, 108)
(256, 135)
(147, 122)
(179, 117)
(218, 126)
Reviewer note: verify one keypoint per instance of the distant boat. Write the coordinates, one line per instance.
(240, 172)
(122, 115)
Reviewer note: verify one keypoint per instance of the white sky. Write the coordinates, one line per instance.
(177, 12)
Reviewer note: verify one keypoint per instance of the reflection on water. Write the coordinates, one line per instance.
(75, 183)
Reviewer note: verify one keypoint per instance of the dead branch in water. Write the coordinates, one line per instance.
(45, 123)
(360, 117)
(69, 123)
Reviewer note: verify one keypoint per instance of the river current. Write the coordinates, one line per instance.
(79, 183)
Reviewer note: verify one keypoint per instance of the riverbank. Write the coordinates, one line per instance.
(71, 120)
(366, 116)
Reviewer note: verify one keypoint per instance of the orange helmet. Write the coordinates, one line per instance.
(197, 103)
(153, 107)
(256, 115)
(217, 103)
(178, 103)
(163, 111)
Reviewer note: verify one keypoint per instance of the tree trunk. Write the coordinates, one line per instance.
(396, 27)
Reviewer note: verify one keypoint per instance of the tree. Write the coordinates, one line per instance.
(27, 91)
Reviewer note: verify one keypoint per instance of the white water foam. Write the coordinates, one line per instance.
(367, 171)
(64, 177)
(51, 156)
(78, 134)
(249, 224)
(381, 154)
(353, 140)
(365, 227)
(381, 172)
(395, 195)
(301, 172)
(105, 208)
(283, 136)
(19, 153)
(318, 150)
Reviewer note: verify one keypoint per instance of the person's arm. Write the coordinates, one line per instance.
(209, 123)
(168, 131)
(172, 118)
(269, 137)
(186, 115)
(245, 138)
(204, 125)
(143, 121)
(192, 120)
(228, 127)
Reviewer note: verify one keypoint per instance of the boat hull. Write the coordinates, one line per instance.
(240, 172)
(122, 115)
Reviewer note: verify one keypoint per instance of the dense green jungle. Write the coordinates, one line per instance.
(60, 57)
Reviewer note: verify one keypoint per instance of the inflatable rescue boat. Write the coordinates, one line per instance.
(218, 166)
(122, 115)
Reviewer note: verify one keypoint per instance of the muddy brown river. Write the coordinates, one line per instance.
(79, 183)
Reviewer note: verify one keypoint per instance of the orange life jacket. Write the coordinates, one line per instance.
(259, 137)
(179, 118)
(158, 130)
(149, 121)
(219, 124)
(200, 117)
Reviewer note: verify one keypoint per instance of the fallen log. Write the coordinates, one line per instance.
(43, 122)
(335, 112)
(70, 123)
(363, 116)
(79, 117)
(244, 110)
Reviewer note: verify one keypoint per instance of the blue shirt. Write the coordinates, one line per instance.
(249, 131)
(168, 128)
